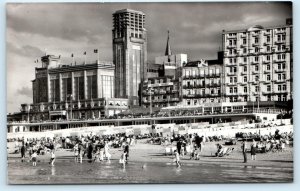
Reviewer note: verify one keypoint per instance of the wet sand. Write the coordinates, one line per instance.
(149, 164)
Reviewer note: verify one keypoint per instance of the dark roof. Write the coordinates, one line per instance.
(209, 62)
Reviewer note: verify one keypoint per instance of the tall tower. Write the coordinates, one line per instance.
(129, 53)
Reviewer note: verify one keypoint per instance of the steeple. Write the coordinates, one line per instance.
(168, 48)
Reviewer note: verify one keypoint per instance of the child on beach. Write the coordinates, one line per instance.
(177, 158)
(33, 158)
(123, 159)
(52, 159)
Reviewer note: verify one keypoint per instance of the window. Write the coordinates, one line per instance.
(231, 90)
(256, 78)
(256, 68)
(245, 68)
(244, 51)
(268, 57)
(268, 77)
(245, 59)
(279, 67)
(195, 102)
(245, 78)
(268, 38)
(256, 49)
(231, 80)
(278, 38)
(279, 87)
(269, 98)
(245, 89)
(235, 79)
(283, 56)
(268, 67)
(279, 57)
(188, 102)
(256, 88)
(268, 48)
(279, 76)
(244, 41)
(283, 37)
(256, 40)
(256, 59)
(283, 76)
(284, 87)
(283, 65)
(235, 89)
(268, 88)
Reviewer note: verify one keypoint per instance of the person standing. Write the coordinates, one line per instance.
(253, 150)
(244, 150)
(33, 158)
(126, 150)
(23, 150)
(90, 152)
(179, 144)
(52, 160)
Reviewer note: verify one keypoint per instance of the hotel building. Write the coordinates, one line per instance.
(258, 64)
(202, 82)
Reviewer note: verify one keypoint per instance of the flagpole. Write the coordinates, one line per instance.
(98, 58)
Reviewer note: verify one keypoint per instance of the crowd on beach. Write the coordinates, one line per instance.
(96, 148)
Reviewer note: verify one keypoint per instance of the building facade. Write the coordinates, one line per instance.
(72, 92)
(129, 53)
(202, 82)
(161, 92)
(258, 64)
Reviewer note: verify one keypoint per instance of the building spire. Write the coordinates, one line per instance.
(168, 48)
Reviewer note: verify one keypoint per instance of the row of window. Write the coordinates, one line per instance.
(256, 58)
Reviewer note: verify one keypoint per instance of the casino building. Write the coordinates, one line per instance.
(72, 91)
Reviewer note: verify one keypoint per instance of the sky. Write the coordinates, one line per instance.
(33, 29)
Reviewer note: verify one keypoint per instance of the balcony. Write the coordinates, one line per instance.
(243, 83)
(244, 73)
(255, 44)
(243, 64)
(267, 33)
(231, 74)
(279, 81)
(267, 71)
(255, 72)
(266, 62)
(231, 84)
(279, 42)
(279, 61)
(255, 34)
(231, 46)
(267, 43)
(243, 45)
(188, 86)
(279, 70)
(254, 62)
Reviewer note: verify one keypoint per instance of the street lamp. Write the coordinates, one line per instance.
(71, 99)
(150, 91)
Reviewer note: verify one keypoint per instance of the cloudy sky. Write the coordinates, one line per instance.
(63, 29)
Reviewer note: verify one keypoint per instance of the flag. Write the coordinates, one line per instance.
(95, 50)
(72, 55)
(84, 53)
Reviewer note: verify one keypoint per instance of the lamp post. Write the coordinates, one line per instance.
(28, 109)
(150, 93)
(71, 105)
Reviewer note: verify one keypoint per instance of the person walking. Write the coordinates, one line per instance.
(179, 145)
(244, 150)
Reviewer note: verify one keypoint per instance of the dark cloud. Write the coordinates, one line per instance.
(25, 91)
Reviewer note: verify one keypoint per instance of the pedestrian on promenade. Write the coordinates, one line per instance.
(52, 159)
(106, 153)
(253, 150)
(33, 158)
(244, 150)
(81, 151)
